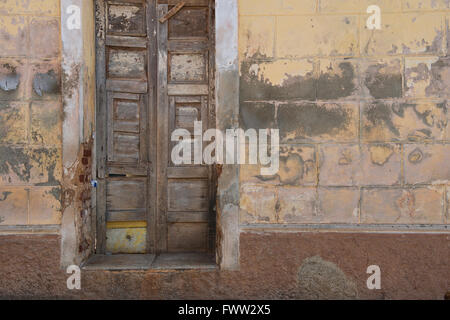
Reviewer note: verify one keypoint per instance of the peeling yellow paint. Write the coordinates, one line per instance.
(380, 154)
(12, 26)
(40, 7)
(129, 240)
(280, 71)
(126, 224)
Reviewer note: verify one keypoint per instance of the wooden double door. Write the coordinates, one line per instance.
(155, 73)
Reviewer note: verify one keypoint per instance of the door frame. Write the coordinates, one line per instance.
(78, 51)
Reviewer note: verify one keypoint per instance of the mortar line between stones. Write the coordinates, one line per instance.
(274, 50)
(28, 206)
(444, 205)
(28, 124)
(402, 165)
(318, 13)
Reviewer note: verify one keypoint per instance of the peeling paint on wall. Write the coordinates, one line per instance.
(365, 102)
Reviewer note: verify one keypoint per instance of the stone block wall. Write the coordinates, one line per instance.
(363, 114)
(363, 119)
(30, 113)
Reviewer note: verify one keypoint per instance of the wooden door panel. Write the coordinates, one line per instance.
(127, 129)
(181, 90)
(132, 215)
(188, 3)
(125, 85)
(188, 67)
(186, 202)
(126, 63)
(188, 195)
(183, 112)
(153, 78)
(125, 147)
(126, 18)
(188, 237)
(126, 194)
(124, 47)
(186, 114)
(190, 22)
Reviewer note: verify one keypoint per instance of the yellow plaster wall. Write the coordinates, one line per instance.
(30, 112)
(363, 114)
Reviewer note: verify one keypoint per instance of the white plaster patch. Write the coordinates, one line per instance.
(226, 34)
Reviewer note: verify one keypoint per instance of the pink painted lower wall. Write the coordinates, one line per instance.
(272, 266)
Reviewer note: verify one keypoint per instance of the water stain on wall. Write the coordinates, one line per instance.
(255, 87)
(380, 154)
(381, 113)
(17, 160)
(5, 195)
(335, 84)
(257, 115)
(9, 81)
(440, 78)
(46, 83)
(21, 161)
(11, 117)
(311, 120)
(402, 119)
(297, 166)
(383, 81)
(416, 156)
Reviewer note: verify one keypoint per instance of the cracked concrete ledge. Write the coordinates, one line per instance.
(356, 228)
(174, 261)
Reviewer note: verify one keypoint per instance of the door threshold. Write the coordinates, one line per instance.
(164, 261)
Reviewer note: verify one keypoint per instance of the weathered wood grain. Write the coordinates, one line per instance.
(152, 78)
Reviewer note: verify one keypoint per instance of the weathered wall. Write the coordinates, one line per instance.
(363, 121)
(363, 114)
(47, 106)
(272, 266)
(30, 113)
(78, 90)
